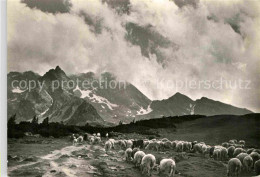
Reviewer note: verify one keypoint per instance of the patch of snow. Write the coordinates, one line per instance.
(95, 98)
(143, 111)
(17, 90)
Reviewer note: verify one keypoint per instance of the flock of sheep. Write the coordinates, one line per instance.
(234, 151)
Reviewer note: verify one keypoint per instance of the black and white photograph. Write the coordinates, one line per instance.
(132, 88)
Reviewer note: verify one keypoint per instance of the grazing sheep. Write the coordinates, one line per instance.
(234, 167)
(233, 141)
(193, 143)
(138, 156)
(75, 141)
(108, 146)
(174, 143)
(91, 139)
(167, 144)
(197, 148)
(238, 151)
(179, 147)
(167, 167)
(257, 150)
(242, 142)
(217, 154)
(225, 144)
(255, 156)
(164, 140)
(257, 167)
(138, 143)
(112, 143)
(97, 140)
(224, 154)
(211, 150)
(231, 150)
(122, 144)
(250, 150)
(248, 163)
(241, 156)
(129, 144)
(134, 151)
(80, 139)
(128, 154)
(153, 145)
(147, 164)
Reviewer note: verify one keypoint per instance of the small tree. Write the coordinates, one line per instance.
(34, 120)
(11, 121)
(45, 121)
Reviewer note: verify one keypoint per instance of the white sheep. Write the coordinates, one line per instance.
(238, 151)
(257, 167)
(128, 154)
(147, 164)
(179, 146)
(242, 142)
(129, 143)
(224, 153)
(122, 144)
(167, 166)
(234, 167)
(97, 139)
(248, 163)
(106, 135)
(174, 143)
(231, 150)
(108, 146)
(153, 145)
(255, 156)
(112, 143)
(98, 134)
(217, 154)
(80, 139)
(138, 156)
(75, 141)
(241, 156)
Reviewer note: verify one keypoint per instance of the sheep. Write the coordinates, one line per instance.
(97, 139)
(197, 148)
(91, 139)
(167, 144)
(167, 166)
(174, 143)
(147, 164)
(204, 149)
(108, 146)
(75, 141)
(217, 154)
(138, 156)
(211, 150)
(224, 153)
(179, 147)
(80, 139)
(138, 143)
(112, 143)
(193, 143)
(234, 167)
(242, 142)
(231, 150)
(255, 156)
(128, 154)
(238, 151)
(250, 150)
(248, 163)
(106, 135)
(225, 144)
(134, 151)
(232, 141)
(122, 144)
(164, 140)
(257, 167)
(153, 145)
(98, 134)
(129, 144)
(94, 134)
(241, 156)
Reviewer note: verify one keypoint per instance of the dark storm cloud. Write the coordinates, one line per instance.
(51, 6)
(182, 3)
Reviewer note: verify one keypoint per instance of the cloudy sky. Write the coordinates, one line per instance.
(154, 44)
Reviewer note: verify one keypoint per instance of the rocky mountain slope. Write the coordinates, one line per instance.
(96, 99)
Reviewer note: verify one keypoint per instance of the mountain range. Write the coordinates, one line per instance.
(95, 103)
